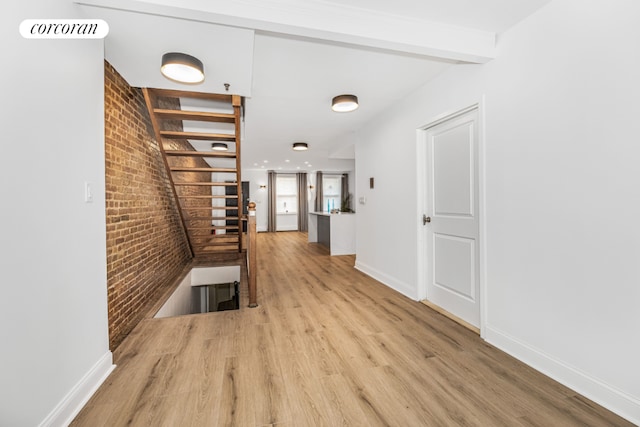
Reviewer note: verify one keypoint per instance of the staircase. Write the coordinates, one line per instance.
(206, 183)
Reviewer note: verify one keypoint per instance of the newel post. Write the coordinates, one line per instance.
(252, 267)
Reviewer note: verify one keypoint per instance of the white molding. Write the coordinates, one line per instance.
(615, 400)
(79, 395)
(482, 210)
(327, 21)
(395, 284)
(421, 173)
(421, 169)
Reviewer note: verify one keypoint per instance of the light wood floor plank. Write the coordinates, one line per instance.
(327, 346)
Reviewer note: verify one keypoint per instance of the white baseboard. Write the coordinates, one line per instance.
(395, 284)
(621, 403)
(261, 229)
(609, 397)
(70, 406)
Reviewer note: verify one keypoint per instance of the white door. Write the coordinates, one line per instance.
(451, 216)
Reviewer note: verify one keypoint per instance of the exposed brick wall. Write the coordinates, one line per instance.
(182, 191)
(146, 245)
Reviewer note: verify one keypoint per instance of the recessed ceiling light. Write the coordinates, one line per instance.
(300, 146)
(344, 103)
(265, 161)
(219, 146)
(286, 161)
(182, 68)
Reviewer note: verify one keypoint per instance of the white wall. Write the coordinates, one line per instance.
(562, 200)
(53, 309)
(286, 222)
(259, 195)
(179, 302)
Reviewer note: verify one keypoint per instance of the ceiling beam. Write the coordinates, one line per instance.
(326, 21)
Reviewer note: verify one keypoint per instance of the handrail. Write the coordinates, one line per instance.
(252, 268)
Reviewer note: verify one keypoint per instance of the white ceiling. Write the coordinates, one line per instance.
(290, 57)
(488, 15)
(293, 84)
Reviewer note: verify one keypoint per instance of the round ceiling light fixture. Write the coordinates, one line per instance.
(182, 68)
(344, 103)
(219, 146)
(300, 146)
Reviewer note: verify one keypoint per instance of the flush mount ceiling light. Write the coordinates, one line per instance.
(182, 68)
(219, 146)
(344, 103)
(300, 146)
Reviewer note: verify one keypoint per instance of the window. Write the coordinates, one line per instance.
(331, 192)
(286, 194)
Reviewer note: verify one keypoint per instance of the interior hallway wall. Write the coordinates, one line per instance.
(561, 173)
(259, 195)
(146, 245)
(53, 309)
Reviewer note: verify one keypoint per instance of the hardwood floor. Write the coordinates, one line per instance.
(327, 346)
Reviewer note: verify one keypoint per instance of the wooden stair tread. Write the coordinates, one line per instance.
(209, 208)
(211, 184)
(222, 251)
(217, 238)
(217, 243)
(196, 246)
(210, 250)
(213, 218)
(203, 116)
(215, 227)
(212, 196)
(187, 153)
(196, 169)
(174, 93)
(202, 136)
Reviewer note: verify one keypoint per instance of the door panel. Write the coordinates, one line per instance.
(452, 204)
(453, 182)
(453, 266)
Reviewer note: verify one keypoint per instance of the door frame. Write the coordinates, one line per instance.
(422, 176)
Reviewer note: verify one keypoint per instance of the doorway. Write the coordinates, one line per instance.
(449, 202)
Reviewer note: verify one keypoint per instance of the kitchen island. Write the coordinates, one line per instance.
(336, 231)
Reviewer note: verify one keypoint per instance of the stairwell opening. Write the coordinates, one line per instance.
(204, 290)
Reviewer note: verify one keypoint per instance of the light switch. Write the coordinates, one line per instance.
(88, 192)
(362, 200)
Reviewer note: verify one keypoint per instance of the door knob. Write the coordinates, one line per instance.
(425, 219)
